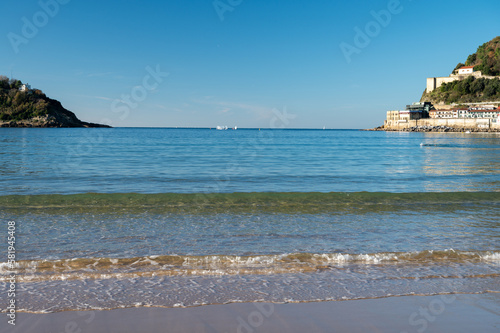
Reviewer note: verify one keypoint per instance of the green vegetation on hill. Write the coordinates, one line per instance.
(487, 58)
(470, 90)
(19, 105)
(33, 109)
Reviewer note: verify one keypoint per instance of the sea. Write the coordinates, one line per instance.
(164, 217)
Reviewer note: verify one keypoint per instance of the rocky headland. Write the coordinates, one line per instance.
(21, 106)
(466, 101)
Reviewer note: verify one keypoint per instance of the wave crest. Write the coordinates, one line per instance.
(174, 265)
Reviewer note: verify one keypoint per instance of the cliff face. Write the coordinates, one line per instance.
(31, 108)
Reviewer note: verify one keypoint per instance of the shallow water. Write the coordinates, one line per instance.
(109, 218)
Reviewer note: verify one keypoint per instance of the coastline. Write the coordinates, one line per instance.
(437, 313)
(50, 124)
(436, 129)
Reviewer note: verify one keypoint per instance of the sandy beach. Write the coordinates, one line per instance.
(440, 313)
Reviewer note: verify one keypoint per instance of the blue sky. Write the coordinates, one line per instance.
(249, 63)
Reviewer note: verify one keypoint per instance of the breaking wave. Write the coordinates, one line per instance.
(184, 265)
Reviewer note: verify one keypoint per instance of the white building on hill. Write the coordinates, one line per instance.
(466, 70)
(25, 87)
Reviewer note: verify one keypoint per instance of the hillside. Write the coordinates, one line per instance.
(473, 90)
(33, 109)
(487, 58)
(470, 90)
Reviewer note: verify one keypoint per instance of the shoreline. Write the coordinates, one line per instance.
(437, 313)
(23, 124)
(435, 129)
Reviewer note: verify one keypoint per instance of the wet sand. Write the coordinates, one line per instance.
(441, 313)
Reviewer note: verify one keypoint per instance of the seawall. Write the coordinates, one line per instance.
(453, 124)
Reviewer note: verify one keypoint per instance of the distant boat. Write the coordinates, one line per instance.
(324, 127)
(235, 128)
(221, 128)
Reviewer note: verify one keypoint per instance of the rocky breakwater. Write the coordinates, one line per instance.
(427, 128)
(441, 129)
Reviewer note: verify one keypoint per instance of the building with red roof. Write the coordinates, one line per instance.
(466, 70)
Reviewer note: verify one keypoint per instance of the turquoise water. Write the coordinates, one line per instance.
(109, 218)
(122, 160)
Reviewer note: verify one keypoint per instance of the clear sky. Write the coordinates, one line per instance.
(249, 63)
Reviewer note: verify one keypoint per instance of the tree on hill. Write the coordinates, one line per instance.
(487, 58)
(460, 65)
(6, 83)
(470, 90)
(19, 105)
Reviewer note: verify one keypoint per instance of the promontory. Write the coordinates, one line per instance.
(468, 100)
(22, 106)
